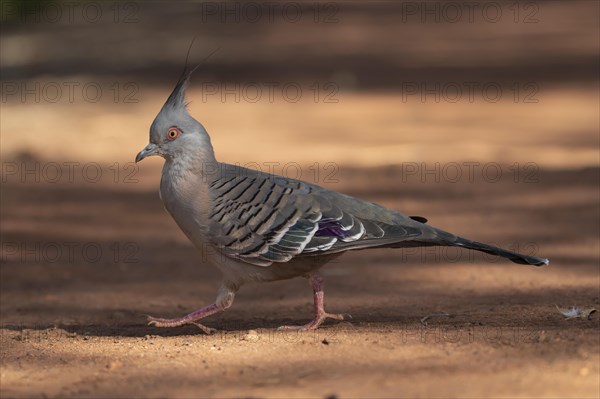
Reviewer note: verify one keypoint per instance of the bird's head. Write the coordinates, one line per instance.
(174, 132)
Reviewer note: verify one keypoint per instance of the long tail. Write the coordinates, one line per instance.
(444, 238)
(513, 256)
(413, 232)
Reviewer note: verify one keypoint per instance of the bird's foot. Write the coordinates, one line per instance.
(188, 319)
(207, 330)
(159, 322)
(313, 325)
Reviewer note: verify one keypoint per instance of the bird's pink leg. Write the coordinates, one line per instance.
(316, 282)
(224, 301)
(188, 319)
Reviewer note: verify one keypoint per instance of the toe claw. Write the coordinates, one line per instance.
(340, 316)
(313, 325)
(207, 330)
(154, 321)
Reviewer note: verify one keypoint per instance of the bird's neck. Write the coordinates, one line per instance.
(193, 166)
(184, 181)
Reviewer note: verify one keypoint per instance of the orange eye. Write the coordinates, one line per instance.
(173, 133)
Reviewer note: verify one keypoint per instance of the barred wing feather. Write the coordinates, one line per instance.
(261, 219)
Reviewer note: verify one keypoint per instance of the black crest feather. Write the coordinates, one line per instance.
(177, 97)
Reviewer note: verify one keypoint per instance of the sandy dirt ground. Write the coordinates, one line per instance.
(73, 308)
(87, 250)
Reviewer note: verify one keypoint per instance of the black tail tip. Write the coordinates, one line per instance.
(531, 260)
(544, 262)
(490, 249)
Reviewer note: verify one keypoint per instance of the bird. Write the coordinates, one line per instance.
(257, 227)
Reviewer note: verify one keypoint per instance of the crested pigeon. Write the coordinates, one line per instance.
(255, 226)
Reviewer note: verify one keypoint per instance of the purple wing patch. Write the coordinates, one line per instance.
(331, 228)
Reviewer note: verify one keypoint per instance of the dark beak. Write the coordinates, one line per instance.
(151, 149)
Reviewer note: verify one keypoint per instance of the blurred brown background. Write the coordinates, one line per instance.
(481, 116)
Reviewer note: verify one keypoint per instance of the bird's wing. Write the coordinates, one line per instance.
(261, 219)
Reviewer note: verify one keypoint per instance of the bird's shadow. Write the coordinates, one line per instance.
(228, 327)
